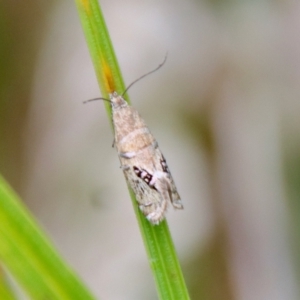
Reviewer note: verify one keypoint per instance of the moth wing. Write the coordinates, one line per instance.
(174, 195)
(153, 185)
(152, 204)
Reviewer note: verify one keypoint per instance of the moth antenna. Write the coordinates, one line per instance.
(95, 99)
(159, 66)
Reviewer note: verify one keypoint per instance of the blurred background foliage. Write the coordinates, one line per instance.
(21, 29)
(225, 110)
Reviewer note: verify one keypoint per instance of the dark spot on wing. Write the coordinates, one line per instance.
(144, 175)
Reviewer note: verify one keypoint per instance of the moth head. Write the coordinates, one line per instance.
(117, 101)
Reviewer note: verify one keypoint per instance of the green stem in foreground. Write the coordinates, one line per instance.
(29, 256)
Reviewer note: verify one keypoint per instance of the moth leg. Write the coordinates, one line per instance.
(177, 203)
(155, 213)
(155, 144)
(113, 143)
(174, 196)
(127, 154)
(125, 167)
(165, 187)
(175, 199)
(164, 182)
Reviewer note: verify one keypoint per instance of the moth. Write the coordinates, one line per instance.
(142, 162)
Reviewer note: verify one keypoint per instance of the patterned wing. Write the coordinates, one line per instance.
(154, 189)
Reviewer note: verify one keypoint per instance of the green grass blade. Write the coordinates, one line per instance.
(163, 259)
(6, 292)
(29, 256)
(158, 242)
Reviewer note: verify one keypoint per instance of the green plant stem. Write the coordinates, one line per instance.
(157, 239)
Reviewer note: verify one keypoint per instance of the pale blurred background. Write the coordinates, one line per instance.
(225, 110)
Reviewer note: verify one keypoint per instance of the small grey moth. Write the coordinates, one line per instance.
(142, 162)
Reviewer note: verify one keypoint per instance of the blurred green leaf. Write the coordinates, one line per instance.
(29, 256)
